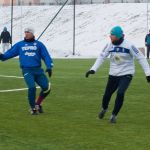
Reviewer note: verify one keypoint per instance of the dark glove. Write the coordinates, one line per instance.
(1, 56)
(49, 71)
(89, 72)
(148, 78)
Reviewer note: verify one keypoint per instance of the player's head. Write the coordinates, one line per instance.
(116, 35)
(5, 29)
(29, 33)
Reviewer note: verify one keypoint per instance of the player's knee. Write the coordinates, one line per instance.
(45, 93)
(120, 95)
(46, 90)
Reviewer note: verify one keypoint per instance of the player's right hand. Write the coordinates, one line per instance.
(1, 56)
(89, 72)
(49, 71)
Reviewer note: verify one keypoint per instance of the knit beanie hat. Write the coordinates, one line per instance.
(117, 31)
(29, 29)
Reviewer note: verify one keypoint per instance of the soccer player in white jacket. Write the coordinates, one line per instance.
(122, 68)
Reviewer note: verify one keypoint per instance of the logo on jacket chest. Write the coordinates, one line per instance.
(29, 50)
(29, 47)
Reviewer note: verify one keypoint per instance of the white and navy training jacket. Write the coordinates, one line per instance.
(122, 59)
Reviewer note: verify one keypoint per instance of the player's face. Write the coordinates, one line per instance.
(28, 35)
(113, 38)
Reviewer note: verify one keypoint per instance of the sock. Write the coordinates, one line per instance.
(39, 100)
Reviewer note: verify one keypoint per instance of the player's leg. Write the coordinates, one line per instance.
(29, 79)
(111, 87)
(7, 47)
(3, 47)
(122, 87)
(148, 50)
(43, 82)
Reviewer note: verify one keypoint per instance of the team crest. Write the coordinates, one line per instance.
(118, 59)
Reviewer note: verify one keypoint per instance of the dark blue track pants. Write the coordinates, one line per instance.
(31, 78)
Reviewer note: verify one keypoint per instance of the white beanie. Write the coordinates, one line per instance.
(29, 29)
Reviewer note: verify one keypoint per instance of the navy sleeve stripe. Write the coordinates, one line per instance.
(135, 49)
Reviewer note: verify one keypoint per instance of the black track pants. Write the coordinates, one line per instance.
(120, 83)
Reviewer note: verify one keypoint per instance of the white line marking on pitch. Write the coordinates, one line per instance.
(11, 76)
(15, 90)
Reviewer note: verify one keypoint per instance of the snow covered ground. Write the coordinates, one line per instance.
(93, 24)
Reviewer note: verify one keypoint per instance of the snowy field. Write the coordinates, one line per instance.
(93, 24)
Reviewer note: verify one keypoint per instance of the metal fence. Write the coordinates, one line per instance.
(70, 2)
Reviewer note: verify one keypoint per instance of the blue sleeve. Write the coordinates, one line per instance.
(46, 57)
(12, 52)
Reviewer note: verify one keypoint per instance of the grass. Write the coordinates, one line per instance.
(70, 120)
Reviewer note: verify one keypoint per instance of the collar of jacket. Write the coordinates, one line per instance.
(29, 40)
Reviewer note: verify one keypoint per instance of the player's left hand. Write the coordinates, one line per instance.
(148, 78)
(89, 72)
(49, 71)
